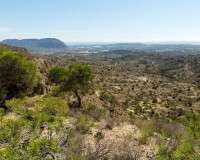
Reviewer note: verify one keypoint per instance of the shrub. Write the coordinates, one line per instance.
(33, 133)
(138, 109)
(192, 124)
(40, 111)
(94, 111)
(144, 139)
(187, 147)
(188, 102)
(163, 153)
(83, 124)
(99, 136)
(109, 98)
(10, 131)
(52, 106)
(2, 113)
(18, 75)
(185, 151)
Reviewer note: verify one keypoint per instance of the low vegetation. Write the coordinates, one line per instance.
(131, 115)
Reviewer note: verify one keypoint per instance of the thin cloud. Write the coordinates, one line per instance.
(3, 29)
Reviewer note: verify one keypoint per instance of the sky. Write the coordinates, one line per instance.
(101, 20)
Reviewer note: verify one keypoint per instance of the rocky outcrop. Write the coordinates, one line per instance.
(41, 64)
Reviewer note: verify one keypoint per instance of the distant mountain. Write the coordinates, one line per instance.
(152, 47)
(46, 44)
(142, 45)
(133, 45)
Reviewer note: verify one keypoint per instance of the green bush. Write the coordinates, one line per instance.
(83, 124)
(163, 153)
(192, 124)
(187, 147)
(93, 111)
(138, 109)
(185, 151)
(51, 106)
(109, 98)
(2, 113)
(54, 106)
(32, 134)
(10, 131)
(39, 110)
(188, 102)
(18, 75)
(144, 139)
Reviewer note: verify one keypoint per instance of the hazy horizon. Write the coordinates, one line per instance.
(115, 42)
(144, 42)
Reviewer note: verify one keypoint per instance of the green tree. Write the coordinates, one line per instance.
(77, 78)
(17, 75)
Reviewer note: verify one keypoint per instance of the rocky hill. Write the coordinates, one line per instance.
(47, 44)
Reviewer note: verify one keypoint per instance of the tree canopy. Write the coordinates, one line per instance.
(77, 78)
(18, 75)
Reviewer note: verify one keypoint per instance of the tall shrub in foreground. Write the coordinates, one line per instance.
(17, 75)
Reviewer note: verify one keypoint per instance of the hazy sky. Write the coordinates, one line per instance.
(101, 20)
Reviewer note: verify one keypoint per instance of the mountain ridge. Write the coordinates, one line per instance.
(45, 44)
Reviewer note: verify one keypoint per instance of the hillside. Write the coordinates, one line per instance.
(143, 107)
(46, 44)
